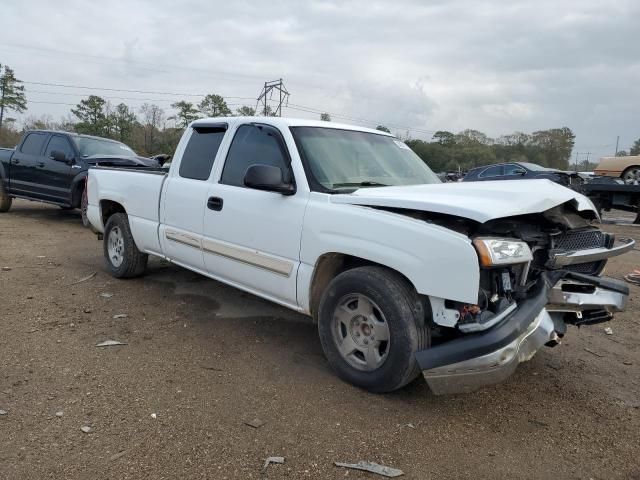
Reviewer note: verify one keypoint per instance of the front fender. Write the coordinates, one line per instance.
(77, 185)
(439, 262)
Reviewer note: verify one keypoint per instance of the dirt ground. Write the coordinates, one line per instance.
(202, 358)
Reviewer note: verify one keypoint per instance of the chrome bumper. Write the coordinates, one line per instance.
(480, 359)
(564, 259)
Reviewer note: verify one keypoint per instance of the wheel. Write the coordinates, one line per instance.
(631, 176)
(371, 324)
(124, 260)
(84, 204)
(5, 199)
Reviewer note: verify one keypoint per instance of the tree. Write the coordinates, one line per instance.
(91, 113)
(123, 122)
(153, 119)
(382, 128)
(214, 106)
(635, 149)
(444, 138)
(325, 117)
(186, 114)
(245, 111)
(621, 153)
(11, 93)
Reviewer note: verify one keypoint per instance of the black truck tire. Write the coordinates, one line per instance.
(84, 204)
(122, 256)
(5, 199)
(354, 309)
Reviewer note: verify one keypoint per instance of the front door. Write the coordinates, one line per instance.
(251, 238)
(185, 197)
(53, 176)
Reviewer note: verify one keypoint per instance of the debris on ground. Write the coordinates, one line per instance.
(154, 416)
(271, 460)
(84, 279)
(86, 429)
(106, 295)
(118, 455)
(3, 412)
(633, 277)
(6, 269)
(593, 353)
(109, 343)
(120, 315)
(373, 468)
(627, 363)
(608, 331)
(538, 423)
(87, 310)
(59, 414)
(255, 423)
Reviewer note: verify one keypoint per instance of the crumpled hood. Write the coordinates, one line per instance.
(479, 201)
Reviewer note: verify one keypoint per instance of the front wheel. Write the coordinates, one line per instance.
(124, 260)
(371, 324)
(631, 176)
(5, 199)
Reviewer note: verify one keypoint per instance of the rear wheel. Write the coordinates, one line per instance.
(631, 176)
(124, 260)
(371, 324)
(5, 199)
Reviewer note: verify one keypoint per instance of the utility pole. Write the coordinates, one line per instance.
(576, 161)
(617, 141)
(267, 94)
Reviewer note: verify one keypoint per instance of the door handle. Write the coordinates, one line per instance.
(15, 162)
(41, 164)
(215, 203)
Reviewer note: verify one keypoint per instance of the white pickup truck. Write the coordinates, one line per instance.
(402, 274)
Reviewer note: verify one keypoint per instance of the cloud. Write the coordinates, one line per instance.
(493, 66)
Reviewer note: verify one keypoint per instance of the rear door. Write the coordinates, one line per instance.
(185, 196)
(53, 176)
(25, 164)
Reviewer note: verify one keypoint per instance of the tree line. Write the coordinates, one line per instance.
(149, 131)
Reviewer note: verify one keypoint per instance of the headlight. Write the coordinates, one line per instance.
(501, 251)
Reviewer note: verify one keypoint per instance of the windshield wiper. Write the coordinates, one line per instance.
(359, 184)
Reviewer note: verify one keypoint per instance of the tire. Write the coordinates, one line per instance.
(5, 199)
(354, 309)
(84, 204)
(631, 176)
(122, 256)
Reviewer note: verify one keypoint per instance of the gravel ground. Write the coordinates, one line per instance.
(201, 359)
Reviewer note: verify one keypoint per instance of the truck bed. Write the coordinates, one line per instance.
(608, 195)
(138, 190)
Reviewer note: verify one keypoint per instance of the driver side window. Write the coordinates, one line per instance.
(252, 145)
(60, 144)
(514, 170)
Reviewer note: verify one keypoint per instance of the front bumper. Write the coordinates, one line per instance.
(470, 362)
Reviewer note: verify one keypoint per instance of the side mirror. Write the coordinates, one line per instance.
(58, 156)
(269, 178)
(520, 172)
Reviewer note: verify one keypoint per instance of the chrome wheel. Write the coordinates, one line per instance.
(115, 247)
(361, 332)
(632, 176)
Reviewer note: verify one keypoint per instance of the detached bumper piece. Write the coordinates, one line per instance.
(475, 360)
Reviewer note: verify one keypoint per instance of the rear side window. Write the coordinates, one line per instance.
(33, 144)
(492, 172)
(200, 152)
(252, 145)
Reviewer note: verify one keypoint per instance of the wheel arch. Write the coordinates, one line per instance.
(108, 208)
(330, 265)
(78, 184)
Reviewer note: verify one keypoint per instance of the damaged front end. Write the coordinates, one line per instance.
(538, 274)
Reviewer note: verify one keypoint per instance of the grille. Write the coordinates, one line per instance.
(581, 240)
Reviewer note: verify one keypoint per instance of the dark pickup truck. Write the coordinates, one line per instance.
(50, 166)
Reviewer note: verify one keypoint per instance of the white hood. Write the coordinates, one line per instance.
(479, 201)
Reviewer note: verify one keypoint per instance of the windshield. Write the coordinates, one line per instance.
(96, 146)
(346, 159)
(534, 167)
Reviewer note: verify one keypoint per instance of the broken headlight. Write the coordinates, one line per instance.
(501, 251)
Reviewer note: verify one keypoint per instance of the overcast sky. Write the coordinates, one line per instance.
(495, 66)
